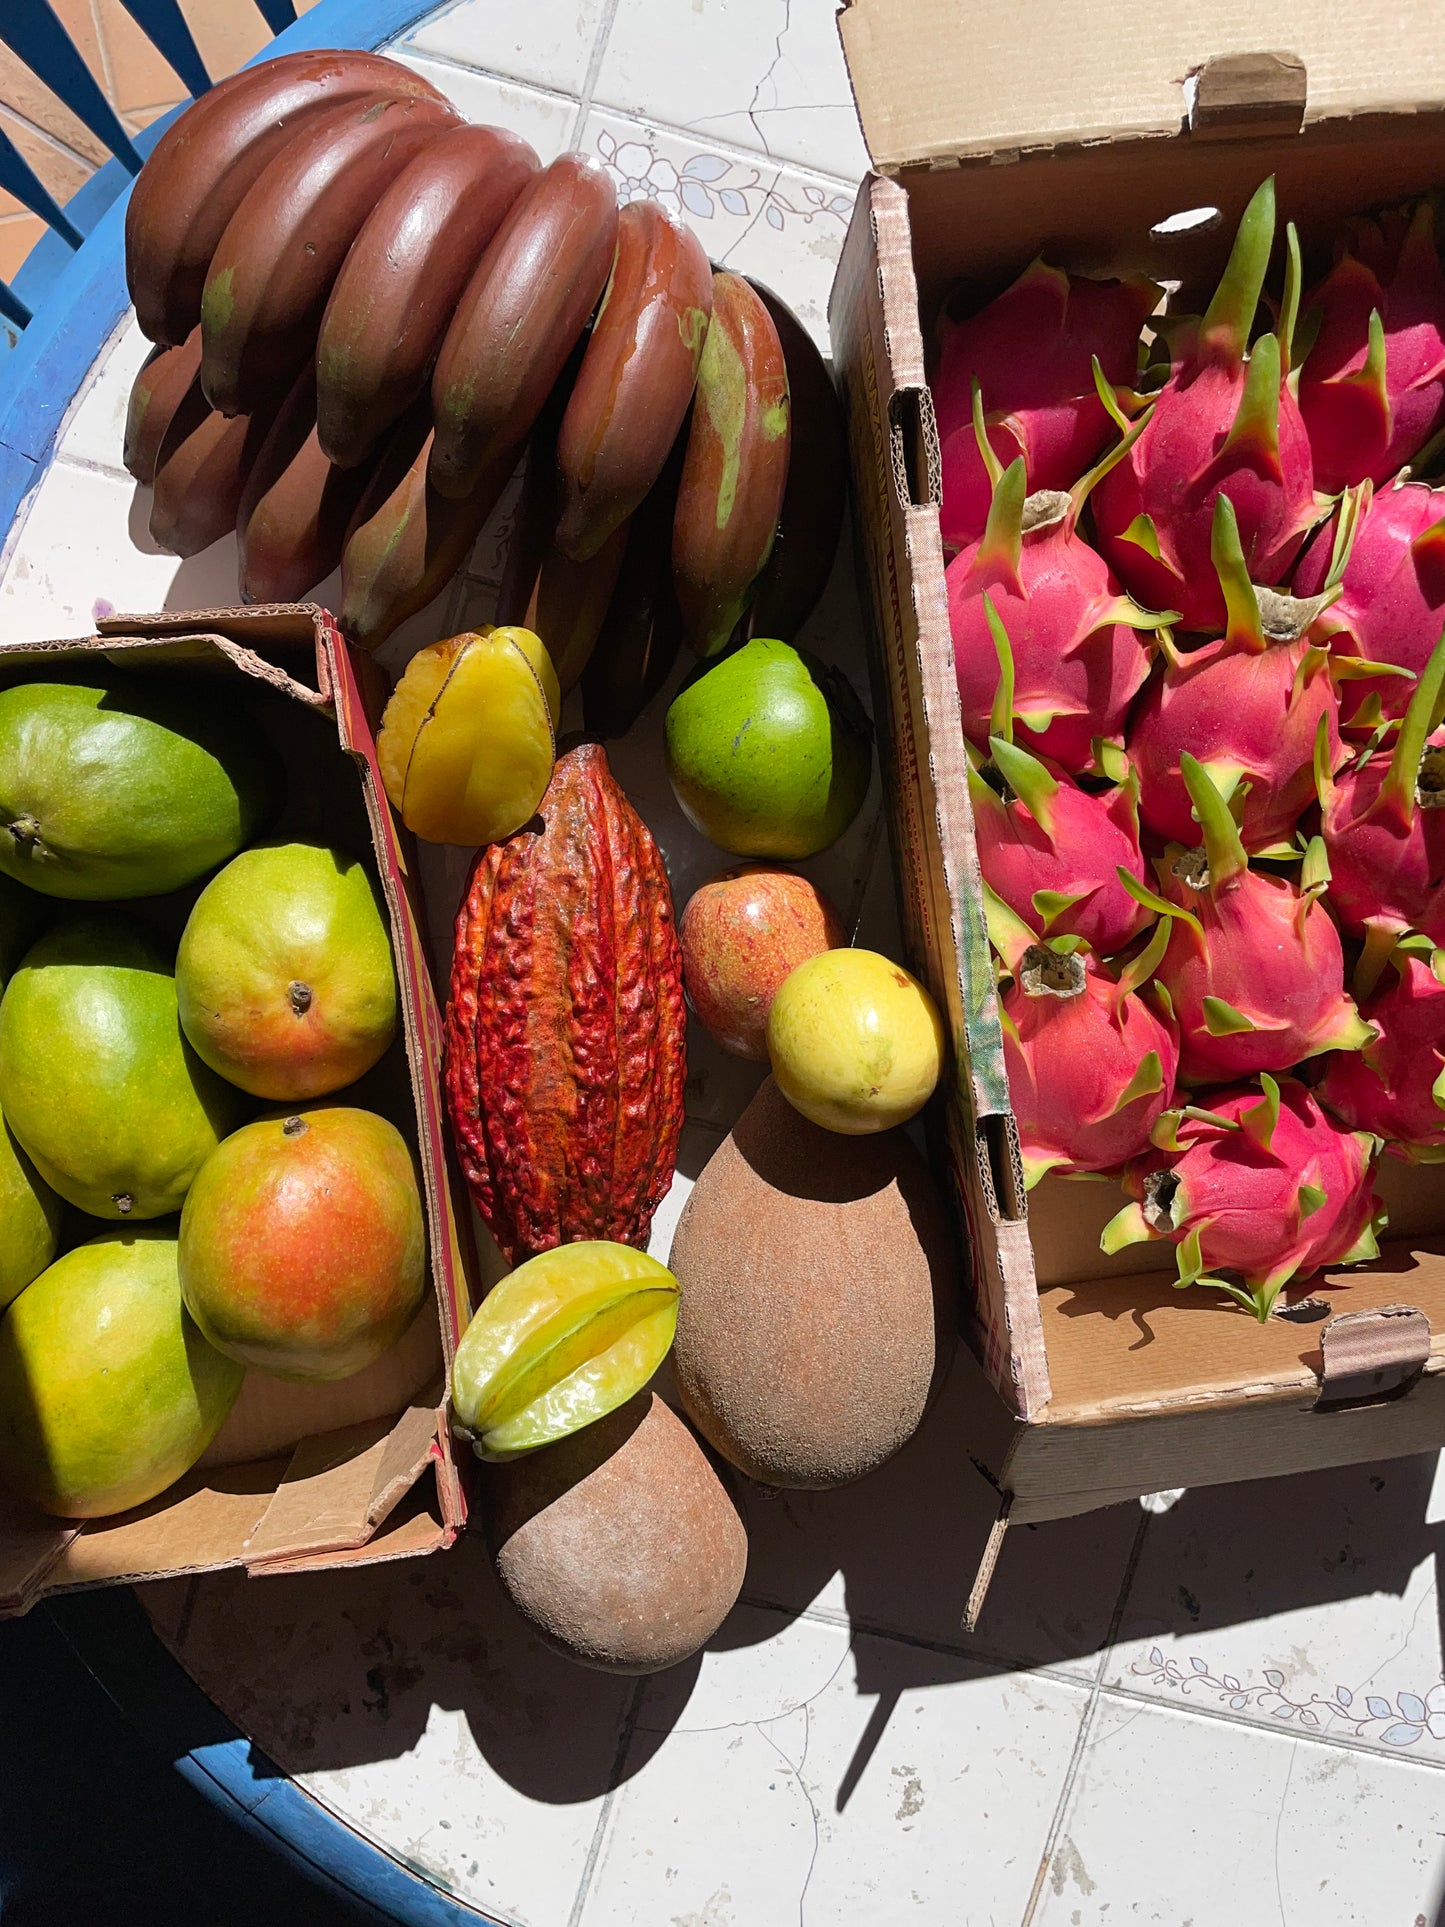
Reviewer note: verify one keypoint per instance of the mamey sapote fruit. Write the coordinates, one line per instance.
(96, 1081)
(819, 1276)
(126, 787)
(29, 1219)
(303, 1245)
(284, 974)
(620, 1544)
(108, 1392)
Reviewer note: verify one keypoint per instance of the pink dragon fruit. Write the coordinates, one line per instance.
(1055, 853)
(1040, 624)
(1395, 1086)
(1254, 970)
(1262, 1185)
(1391, 607)
(1247, 707)
(1031, 351)
(1225, 421)
(1373, 383)
(1090, 1065)
(1383, 825)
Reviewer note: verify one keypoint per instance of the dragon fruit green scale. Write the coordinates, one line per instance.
(1395, 1086)
(1226, 422)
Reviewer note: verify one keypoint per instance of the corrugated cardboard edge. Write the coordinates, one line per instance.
(357, 1481)
(1372, 1354)
(877, 340)
(941, 84)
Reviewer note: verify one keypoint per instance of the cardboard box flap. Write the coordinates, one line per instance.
(340, 1486)
(938, 82)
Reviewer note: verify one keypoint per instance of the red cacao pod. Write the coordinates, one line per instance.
(565, 1029)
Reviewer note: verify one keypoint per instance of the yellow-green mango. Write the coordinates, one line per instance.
(127, 786)
(108, 1391)
(29, 1219)
(96, 1081)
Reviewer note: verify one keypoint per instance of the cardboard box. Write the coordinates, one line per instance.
(300, 1477)
(1005, 131)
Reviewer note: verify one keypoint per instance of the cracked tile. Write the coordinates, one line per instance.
(802, 1777)
(1201, 1823)
(898, 1552)
(413, 1703)
(1341, 1637)
(544, 115)
(548, 42)
(762, 74)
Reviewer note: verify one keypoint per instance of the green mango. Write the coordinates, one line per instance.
(96, 1081)
(23, 915)
(29, 1219)
(108, 1391)
(126, 787)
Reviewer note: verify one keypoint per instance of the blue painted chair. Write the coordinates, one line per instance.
(35, 35)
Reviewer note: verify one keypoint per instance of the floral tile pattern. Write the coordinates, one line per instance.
(768, 75)
(752, 214)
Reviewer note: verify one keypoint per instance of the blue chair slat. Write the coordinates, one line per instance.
(278, 14)
(33, 33)
(12, 307)
(17, 177)
(164, 25)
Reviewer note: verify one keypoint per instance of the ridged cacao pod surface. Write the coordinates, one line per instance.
(565, 1029)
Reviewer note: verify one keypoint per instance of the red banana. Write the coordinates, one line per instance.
(521, 315)
(296, 507)
(405, 541)
(155, 395)
(735, 468)
(811, 518)
(201, 470)
(636, 379)
(641, 634)
(273, 267)
(398, 287)
(201, 168)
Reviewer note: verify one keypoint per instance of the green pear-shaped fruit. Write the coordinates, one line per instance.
(108, 1391)
(127, 786)
(769, 752)
(96, 1081)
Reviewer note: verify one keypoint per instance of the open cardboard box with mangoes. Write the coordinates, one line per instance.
(1117, 146)
(347, 1458)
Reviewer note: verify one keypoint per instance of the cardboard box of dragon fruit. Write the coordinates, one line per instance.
(1143, 342)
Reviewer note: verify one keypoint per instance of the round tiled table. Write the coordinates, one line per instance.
(1158, 1716)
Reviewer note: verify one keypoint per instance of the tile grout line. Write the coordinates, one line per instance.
(604, 1813)
(594, 68)
(553, 95)
(1131, 1696)
(1086, 1724)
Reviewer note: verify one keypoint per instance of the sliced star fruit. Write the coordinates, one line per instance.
(564, 1340)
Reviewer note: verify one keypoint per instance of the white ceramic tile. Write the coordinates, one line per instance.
(800, 1778)
(762, 74)
(756, 215)
(413, 1702)
(547, 42)
(84, 542)
(545, 115)
(95, 432)
(898, 1552)
(1307, 1604)
(1200, 1823)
